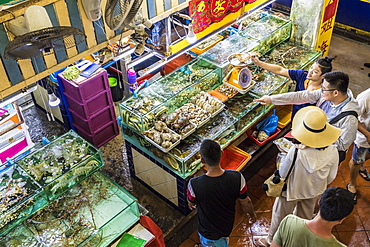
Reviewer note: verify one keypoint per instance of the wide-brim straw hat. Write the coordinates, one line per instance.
(311, 127)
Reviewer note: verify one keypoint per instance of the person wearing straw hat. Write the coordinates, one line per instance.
(315, 167)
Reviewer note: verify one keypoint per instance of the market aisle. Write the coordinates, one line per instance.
(354, 231)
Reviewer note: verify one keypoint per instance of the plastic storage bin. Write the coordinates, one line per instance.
(94, 122)
(231, 160)
(241, 152)
(101, 135)
(91, 106)
(265, 141)
(284, 114)
(88, 88)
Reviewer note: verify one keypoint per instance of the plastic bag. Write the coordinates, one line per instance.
(268, 125)
(280, 159)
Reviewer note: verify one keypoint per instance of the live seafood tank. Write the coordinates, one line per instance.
(141, 112)
(21, 197)
(31, 182)
(234, 44)
(62, 163)
(93, 213)
(270, 31)
(289, 56)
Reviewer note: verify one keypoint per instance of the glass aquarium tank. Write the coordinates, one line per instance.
(20, 236)
(249, 117)
(287, 55)
(240, 103)
(270, 30)
(92, 213)
(234, 44)
(21, 197)
(183, 159)
(216, 127)
(62, 163)
(174, 89)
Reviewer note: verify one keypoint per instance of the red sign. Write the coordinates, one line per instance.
(235, 5)
(219, 9)
(201, 15)
(330, 10)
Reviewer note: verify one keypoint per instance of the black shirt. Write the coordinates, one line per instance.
(215, 198)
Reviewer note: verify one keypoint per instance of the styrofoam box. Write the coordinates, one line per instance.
(94, 122)
(91, 106)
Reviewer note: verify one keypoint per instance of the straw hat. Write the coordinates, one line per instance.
(311, 127)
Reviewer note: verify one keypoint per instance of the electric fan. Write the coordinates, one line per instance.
(36, 36)
(120, 13)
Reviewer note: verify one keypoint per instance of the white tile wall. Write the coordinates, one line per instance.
(160, 180)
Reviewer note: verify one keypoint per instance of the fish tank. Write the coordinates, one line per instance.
(183, 159)
(240, 103)
(21, 197)
(217, 126)
(20, 236)
(250, 117)
(234, 44)
(287, 55)
(93, 213)
(168, 93)
(270, 31)
(62, 163)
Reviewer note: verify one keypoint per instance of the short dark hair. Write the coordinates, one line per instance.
(210, 152)
(325, 64)
(336, 203)
(338, 80)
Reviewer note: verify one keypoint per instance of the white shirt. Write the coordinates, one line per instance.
(313, 170)
(363, 100)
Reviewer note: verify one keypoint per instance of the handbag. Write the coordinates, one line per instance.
(274, 185)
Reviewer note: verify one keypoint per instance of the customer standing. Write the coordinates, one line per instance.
(334, 98)
(362, 143)
(315, 166)
(335, 205)
(214, 194)
(305, 80)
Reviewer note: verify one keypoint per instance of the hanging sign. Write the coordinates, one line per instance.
(235, 5)
(219, 9)
(201, 14)
(326, 26)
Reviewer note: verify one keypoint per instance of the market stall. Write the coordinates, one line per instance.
(164, 125)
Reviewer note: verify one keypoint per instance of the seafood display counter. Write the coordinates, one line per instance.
(164, 125)
(58, 196)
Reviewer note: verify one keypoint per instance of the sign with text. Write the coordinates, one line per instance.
(326, 26)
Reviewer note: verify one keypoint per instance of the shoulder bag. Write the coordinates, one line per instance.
(275, 184)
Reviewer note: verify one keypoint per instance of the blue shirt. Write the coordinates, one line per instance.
(332, 110)
(300, 76)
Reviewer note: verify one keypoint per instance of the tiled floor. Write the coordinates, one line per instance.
(354, 231)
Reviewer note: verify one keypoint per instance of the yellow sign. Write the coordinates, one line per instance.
(366, 1)
(326, 26)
